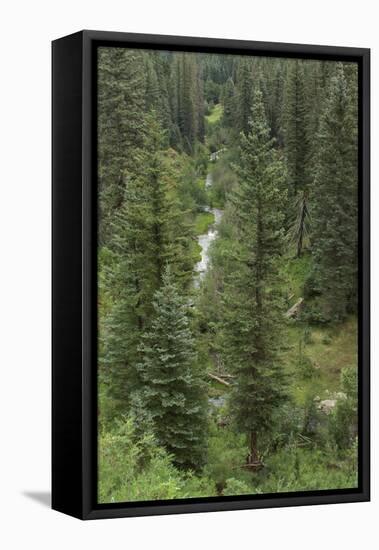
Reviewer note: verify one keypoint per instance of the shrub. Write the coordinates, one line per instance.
(136, 469)
(227, 451)
(237, 487)
(310, 287)
(305, 368)
(297, 469)
(343, 420)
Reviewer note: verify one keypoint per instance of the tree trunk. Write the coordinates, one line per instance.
(302, 221)
(299, 245)
(253, 457)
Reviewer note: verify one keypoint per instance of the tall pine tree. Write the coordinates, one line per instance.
(149, 230)
(244, 94)
(121, 127)
(172, 391)
(253, 309)
(187, 100)
(335, 200)
(295, 127)
(228, 101)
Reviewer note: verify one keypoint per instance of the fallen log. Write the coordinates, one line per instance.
(256, 465)
(218, 379)
(295, 309)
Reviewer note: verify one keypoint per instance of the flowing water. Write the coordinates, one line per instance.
(206, 239)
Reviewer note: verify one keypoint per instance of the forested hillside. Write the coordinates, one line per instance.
(227, 273)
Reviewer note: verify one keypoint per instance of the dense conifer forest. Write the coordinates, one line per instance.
(227, 275)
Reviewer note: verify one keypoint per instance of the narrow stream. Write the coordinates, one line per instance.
(201, 267)
(206, 239)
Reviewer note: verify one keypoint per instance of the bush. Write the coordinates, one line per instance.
(314, 312)
(237, 487)
(310, 288)
(227, 451)
(223, 181)
(306, 368)
(343, 420)
(297, 469)
(136, 469)
(288, 423)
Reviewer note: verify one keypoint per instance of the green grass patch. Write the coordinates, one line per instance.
(329, 349)
(334, 348)
(296, 271)
(202, 222)
(215, 114)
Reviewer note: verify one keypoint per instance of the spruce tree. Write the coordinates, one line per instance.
(187, 99)
(295, 128)
(171, 387)
(244, 94)
(172, 235)
(121, 127)
(252, 304)
(228, 101)
(274, 111)
(300, 228)
(149, 230)
(157, 95)
(335, 200)
(133, 284)
(315, 97)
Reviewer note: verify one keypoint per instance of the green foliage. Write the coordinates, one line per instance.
(203, 221)
(187, 100)
(236, 487)
(223, 180)
(229, 103)
(295, 127)
(171, 387)
(252, 307)
(211, 91)
(121, 126)
(307, 335)
(215, 114)
(343, 421)
(295, 271)
(244, 94)
(226, 453)
(190, 190)
(148, 232)
(120, 473)
(300, 227)
(286, 135)
(136, 469)
(306, 368)
(334, 204)
(296, 469)
(272, 83)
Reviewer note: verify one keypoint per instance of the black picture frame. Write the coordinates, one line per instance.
(74, 405)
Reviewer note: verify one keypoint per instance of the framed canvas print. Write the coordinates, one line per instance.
(210, 274)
